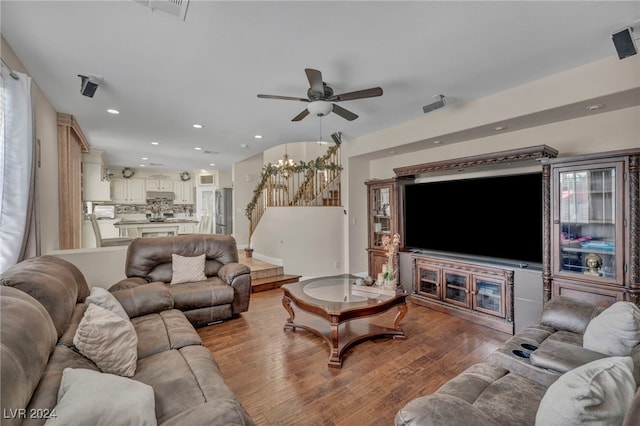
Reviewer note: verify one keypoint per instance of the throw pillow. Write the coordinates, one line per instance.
(108, 340)
(103, 298)
(87, 397)
(599, 392)
(187, 269)
(616, 331)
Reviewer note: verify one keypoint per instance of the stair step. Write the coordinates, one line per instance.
(269, 283)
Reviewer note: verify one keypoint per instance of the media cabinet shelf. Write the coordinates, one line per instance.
(482, 294)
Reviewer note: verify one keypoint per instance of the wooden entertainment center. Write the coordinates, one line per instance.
(590, 233)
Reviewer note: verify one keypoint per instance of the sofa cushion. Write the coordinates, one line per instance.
(616, 331)
(28, 336)
(108, 340)
(51, 281)
(201, 294)
(182, 379)
(163, 331)
(481, 395)
(599, 392)
(103, 298)
(187, 269)
(91, 398)
(144, 299)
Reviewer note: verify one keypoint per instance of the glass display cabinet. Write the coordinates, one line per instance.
(588, 223)
(595, 234)
(382, 220)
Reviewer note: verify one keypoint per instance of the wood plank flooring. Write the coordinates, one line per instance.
(282, 378)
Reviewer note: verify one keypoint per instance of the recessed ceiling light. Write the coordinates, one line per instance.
(155, 143)
(142, 165)
(113, 111)
(499, 128)
(595, 107)
(244, 145)
(144, 158)
(198, 126)
(212, 164)
(258, 136)
(197, 148)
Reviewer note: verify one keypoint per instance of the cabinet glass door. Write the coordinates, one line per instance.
(587, 222)
(428, 282)
(456, 288)
(488, 296)
(381, 214)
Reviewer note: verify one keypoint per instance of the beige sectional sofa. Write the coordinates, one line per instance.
(545, 376)
(46, 378)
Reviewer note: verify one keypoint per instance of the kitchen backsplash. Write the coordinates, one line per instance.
(122, 209)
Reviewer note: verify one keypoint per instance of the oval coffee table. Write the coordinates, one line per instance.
(335, 301)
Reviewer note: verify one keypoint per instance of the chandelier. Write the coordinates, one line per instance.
(286, 165)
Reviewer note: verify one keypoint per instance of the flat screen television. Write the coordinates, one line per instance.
(496, 217)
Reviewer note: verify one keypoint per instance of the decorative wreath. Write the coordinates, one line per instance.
(127, 173)
(185, 176)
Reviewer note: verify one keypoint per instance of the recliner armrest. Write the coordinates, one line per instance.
(128, 283)
(145, 299)
(230, 271)
(563, 313)
(562, 357)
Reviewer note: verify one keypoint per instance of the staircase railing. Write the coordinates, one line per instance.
(316, 183)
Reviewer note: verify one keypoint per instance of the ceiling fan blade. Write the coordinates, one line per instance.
(344, 113)
(300, 116)
(315, 80)
(285, 98)
(358, 94)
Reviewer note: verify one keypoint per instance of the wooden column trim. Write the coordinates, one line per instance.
(69, 121)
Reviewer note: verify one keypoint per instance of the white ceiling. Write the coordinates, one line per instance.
(165, 74)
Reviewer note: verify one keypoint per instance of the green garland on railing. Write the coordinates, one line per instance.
(271, 170)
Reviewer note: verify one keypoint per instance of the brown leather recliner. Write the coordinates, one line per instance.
(224, 294)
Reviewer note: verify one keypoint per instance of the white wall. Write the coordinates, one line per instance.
(101, 267)
(308, 239)
(246, 176)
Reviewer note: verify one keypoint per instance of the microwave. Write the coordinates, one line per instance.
(104, 212)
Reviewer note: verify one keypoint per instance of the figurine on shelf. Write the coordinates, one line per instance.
(593, 262)
(389, 274)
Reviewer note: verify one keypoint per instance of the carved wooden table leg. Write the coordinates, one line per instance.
(402, 311)
(286, 302)
(334, 359)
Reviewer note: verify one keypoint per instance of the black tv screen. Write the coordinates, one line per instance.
(497, 217)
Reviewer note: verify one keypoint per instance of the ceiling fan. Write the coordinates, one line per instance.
(320, 98)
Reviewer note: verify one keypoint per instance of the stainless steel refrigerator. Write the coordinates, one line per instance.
(224, 211)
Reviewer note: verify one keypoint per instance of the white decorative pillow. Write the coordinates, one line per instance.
(187, 269)
(108, 340)
(103, 298)
(87, 397)
(615, 332)
(597, 393)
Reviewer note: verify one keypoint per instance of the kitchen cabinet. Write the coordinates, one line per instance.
(184, 192)
(160, 185)
(187, 228)
(129, 191)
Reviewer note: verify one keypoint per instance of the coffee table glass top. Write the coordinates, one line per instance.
(337, 292)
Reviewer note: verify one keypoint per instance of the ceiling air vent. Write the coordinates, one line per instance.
(177, 8)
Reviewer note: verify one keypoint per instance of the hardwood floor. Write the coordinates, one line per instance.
(282, 378)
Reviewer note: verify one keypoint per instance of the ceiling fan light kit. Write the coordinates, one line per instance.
(320, 108)
(321, 99)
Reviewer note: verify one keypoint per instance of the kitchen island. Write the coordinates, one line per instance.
(150, 228)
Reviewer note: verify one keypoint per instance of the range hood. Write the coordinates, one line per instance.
(160, 196)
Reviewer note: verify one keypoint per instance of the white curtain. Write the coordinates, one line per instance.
(18, 224)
